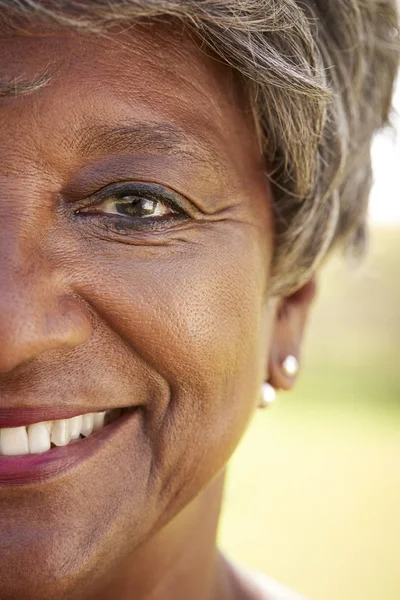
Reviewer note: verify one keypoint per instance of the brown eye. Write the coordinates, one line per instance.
(135, 206)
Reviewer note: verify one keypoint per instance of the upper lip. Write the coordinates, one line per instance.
(17, 417)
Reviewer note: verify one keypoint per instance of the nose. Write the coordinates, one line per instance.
(37, 313)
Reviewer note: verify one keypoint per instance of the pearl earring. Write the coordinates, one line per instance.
(268, 395)
(290, 366)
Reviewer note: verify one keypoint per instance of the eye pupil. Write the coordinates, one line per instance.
(133, 206)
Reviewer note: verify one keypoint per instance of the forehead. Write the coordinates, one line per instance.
(73, 81)
(117, 54)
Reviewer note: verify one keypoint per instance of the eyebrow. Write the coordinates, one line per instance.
(144, 137)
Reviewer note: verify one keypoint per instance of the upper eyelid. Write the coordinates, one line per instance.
(125, 186)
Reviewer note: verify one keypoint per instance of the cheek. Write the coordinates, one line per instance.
(195, 314)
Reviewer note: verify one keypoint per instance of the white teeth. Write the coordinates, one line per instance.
(60, 435)
(87, 424)
(14, 441)
(98, 420)
(39, 437)
(75, 425)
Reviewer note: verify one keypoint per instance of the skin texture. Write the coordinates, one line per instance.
(103, 311)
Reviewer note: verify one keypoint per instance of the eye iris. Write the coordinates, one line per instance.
(136, 207)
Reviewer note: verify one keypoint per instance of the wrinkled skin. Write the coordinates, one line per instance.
(103, 310)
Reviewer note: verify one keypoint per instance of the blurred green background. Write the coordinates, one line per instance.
(313, 496)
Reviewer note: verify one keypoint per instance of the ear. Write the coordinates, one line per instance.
(290, 320)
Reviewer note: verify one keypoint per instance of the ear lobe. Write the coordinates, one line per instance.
(290, 321)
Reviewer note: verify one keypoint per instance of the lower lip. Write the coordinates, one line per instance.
(38, 467)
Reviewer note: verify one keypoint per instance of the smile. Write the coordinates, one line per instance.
(47, 449)
(37, 438)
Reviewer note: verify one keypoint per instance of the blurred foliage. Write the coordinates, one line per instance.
(313, 492)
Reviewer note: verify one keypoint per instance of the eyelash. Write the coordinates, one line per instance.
(118, 192)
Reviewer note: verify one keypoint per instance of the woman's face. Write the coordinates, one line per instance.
(135, 246)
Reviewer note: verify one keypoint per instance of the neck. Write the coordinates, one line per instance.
(181, 561)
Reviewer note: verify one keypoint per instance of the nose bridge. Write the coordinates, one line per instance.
(38, 312)
(26, 285)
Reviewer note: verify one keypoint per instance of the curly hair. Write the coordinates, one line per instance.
(320, 74)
